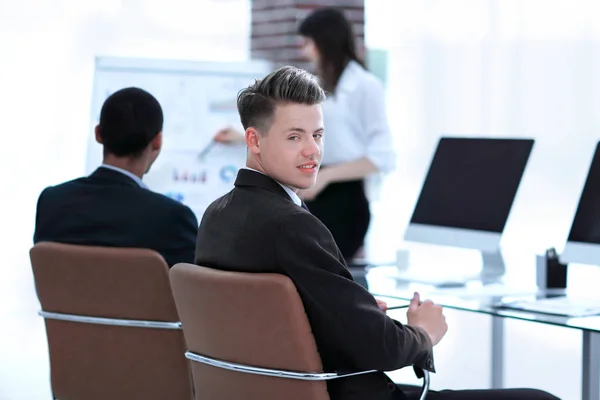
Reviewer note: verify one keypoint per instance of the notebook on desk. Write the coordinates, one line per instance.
(561, 306)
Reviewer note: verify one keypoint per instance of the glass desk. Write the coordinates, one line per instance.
(381, 283)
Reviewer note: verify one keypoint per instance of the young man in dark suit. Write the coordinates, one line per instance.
(262, 226)
(113, 207)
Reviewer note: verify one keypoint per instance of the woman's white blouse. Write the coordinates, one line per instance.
(355, 121)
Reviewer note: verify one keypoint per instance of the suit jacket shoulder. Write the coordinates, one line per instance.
(108, 208)
(302, 226)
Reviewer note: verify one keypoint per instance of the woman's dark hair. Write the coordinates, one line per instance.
(333, 36)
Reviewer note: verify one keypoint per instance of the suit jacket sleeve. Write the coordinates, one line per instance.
(181, 245)
(344, 317)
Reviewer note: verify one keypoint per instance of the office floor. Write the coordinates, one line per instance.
(536, 356)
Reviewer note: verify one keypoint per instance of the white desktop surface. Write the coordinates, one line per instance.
(520, 277)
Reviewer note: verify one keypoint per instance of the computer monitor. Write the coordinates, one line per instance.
(583, 243)
(582, 247)
(467, 195)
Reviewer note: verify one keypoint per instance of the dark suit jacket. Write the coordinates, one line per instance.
(109, 208)
(257, 228)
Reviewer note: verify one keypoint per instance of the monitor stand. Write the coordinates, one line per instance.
(494, 268)
(492, 271)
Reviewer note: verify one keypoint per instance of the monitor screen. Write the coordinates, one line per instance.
(472, 182)
(586, 224)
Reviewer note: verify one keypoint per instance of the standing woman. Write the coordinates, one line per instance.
(357, 139)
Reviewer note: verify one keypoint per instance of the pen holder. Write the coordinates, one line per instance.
(550, 272)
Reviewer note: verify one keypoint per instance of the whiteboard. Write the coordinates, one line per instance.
(198, 99)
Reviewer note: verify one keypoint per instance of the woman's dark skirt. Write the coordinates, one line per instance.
(344, 209)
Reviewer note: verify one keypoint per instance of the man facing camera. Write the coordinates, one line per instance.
(262, 226)
(113, 207)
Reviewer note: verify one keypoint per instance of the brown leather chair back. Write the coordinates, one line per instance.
(251, 319)
(94, 361)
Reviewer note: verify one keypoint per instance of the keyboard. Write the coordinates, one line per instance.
(562, 306)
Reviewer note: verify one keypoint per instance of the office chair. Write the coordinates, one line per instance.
(249, 337)
(111, 323)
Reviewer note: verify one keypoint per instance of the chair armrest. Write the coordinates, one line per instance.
(306, 376)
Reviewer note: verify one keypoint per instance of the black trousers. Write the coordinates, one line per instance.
(412, 393)
(344, 209)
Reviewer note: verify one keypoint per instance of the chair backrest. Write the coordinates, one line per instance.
(97, 361)
(254, 319)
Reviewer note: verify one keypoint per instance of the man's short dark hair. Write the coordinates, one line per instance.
(130, 118)
(256, 103)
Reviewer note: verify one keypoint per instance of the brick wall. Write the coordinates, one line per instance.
(275, 25)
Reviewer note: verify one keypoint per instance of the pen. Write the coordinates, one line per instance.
(206, 150)
(398, 307)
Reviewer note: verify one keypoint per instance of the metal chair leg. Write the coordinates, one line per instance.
(422, 374)
(425, 388)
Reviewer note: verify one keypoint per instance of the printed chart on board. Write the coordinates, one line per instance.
(198, 99)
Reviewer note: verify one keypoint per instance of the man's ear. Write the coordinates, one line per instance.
(253, 140)
(97, 133)
(156, 143)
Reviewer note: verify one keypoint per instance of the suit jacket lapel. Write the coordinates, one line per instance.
(248, 178)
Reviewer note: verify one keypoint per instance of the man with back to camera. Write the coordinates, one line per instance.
(113, 207)
(266, 223)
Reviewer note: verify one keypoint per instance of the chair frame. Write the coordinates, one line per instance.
(306, 376)
(110, 321)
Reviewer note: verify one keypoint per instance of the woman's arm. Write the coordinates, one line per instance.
(229, 135)
(373, 115)
(348, 171)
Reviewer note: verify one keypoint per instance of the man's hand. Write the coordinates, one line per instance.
(427, 316)
(382, 305)
(230, 136)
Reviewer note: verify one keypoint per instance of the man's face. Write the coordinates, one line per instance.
(309, 50)
(291, 150)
